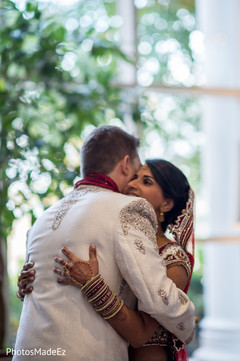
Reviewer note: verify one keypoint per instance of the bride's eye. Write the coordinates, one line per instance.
(147, 182)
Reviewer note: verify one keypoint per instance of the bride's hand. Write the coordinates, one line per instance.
(76, 272)
(24, 279)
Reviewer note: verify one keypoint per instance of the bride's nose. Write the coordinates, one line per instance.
(132, 184)
(130, 187)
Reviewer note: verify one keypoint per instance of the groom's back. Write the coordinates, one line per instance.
(55, 317)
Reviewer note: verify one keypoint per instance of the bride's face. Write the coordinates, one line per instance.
(144, 185)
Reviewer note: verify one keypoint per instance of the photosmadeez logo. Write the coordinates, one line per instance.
(36, 351)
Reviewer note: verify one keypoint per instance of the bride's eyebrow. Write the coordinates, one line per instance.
(148, 177)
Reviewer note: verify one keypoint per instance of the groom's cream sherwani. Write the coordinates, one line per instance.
(57, 323)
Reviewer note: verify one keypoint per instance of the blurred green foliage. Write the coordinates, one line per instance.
(57, 69)
(50, 90)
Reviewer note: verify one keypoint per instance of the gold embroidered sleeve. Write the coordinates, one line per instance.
(140, 215)
(140, 265)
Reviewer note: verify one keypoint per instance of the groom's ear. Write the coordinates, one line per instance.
(125, 165)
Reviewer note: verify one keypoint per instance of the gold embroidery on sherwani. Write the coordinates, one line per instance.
(182, 298)
(140, 246)
(140, 215)
(67, 201)
(180, 326)
(164, 296)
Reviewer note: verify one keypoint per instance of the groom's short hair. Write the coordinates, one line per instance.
(105, 147)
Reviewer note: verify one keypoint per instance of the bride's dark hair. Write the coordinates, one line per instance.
(174, 185)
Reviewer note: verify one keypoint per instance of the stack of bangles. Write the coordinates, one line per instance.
(105, 301)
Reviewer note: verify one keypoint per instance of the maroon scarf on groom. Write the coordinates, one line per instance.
(99, 180)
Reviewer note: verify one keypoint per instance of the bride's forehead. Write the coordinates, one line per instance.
(144, 170)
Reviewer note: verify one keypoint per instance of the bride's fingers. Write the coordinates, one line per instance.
(92, 252)
(93, 259)
(60, 260)
(27, 266)
(70, 255)
(65, 281)
(25, 274)
(26, 291)
(24, 282)
(59, 271)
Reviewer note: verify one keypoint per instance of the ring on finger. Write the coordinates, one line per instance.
(68, 275)
(66, 272)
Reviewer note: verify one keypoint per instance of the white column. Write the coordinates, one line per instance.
(127, 71)
(220, 328)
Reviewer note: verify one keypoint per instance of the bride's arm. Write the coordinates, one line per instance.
(135, 327)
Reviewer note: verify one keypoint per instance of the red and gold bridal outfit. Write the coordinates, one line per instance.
(177, 253)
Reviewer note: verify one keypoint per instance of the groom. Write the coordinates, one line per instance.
(57, 321)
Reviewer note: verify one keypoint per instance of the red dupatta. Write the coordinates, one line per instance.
(183, 231)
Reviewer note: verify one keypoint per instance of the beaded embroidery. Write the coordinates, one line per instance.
(67, 201)
(163, 295)
(140, 246)
(178, 345)
(140, 215)
(160, 337)
(182, 298)
(182, 228)
(180, 326)
(174, 255)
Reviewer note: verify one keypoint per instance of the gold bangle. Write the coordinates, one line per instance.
(113, 313)
(98, 294)
(90, 282)
(106, 305)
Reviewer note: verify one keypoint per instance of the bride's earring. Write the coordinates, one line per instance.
(161, 217)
